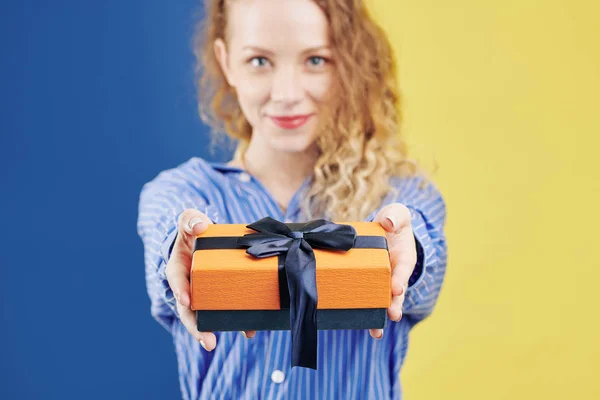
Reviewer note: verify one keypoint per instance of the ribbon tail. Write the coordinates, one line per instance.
(300, 266)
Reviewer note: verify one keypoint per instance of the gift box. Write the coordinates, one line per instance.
(302, 277)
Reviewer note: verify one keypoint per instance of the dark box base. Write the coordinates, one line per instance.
(277, 320)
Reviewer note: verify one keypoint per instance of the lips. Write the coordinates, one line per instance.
(292, 121)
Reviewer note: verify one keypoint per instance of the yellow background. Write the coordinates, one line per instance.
(505, 97)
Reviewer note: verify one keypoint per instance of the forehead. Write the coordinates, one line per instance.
(277, 24)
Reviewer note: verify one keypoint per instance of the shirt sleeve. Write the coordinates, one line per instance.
(161, 202)
(428, 217)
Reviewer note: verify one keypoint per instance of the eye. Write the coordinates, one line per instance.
(317, 61)
(258, 61)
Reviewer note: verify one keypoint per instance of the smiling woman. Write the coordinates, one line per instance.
(308, 89)
(311, 82)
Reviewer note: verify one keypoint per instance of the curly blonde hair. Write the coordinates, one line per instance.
(352, 174)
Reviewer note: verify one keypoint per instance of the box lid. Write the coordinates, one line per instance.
(231, 279)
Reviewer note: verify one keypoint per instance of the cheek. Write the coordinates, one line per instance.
(318, 86)
(252, 91)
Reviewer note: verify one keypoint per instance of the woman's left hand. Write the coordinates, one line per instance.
(396, 220)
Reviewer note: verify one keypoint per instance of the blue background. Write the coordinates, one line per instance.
(97, 98)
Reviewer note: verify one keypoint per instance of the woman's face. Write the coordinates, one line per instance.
(278, 60)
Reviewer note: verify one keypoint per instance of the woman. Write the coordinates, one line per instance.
(308, 89)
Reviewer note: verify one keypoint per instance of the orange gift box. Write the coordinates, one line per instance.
(262, 276)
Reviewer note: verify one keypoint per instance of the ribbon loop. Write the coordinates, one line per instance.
(299, 267)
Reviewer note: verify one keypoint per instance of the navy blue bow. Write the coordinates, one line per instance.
(299, 268)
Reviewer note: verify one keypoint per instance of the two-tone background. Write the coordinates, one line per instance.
(97, 97)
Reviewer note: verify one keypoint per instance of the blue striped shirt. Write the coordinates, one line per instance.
(351, 364)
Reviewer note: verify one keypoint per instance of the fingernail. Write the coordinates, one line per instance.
(193, 222)
(244, 333)
(202, 343)
(398, 320)
(380, 336)
(391, 221)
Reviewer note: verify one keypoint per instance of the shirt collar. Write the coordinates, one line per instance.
(221, 166)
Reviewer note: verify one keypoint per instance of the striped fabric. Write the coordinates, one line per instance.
(351, 364)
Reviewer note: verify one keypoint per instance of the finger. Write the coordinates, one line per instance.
(398, 286)
(396, 220)
(248, 334)
(193, 222)
(376, 333)
(208, 340)
(395, 309)
(178, 276)
(188, 320)
(403, 257)
(393, 217)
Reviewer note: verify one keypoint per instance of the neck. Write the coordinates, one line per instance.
(282, 173)
(279, 168)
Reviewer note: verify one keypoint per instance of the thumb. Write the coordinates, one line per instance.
(393, 217)
(193, 222)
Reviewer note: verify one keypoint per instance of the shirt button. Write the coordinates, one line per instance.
(277, 376)
(244, 177)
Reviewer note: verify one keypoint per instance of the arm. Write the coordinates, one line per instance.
(162, 200)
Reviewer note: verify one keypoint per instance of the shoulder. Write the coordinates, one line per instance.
(415, 190)
(195, 183)
(195, 175)
(191, 172)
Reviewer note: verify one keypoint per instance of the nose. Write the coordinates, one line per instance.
(286, 88)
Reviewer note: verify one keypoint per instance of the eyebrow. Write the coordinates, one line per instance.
(317, 48)
(262, 50)
(257, 49)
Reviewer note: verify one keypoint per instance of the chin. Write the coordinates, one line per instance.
(292, 143)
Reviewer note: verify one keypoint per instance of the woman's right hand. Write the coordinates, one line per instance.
(190, 224)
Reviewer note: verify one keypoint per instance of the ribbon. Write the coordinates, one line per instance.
(299, 269)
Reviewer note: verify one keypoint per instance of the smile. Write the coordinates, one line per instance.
(291, 122)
